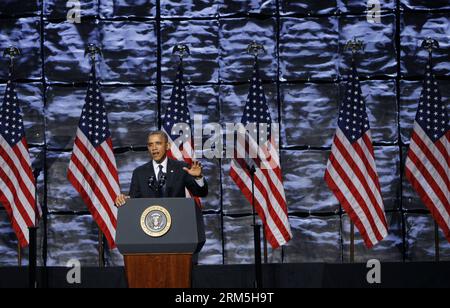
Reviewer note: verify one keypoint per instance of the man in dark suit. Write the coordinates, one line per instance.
(164, 177)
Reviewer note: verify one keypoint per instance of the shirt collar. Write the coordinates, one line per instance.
(164, 164)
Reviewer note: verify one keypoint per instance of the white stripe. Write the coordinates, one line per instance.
(433, 149)
(352, 202)
(99, 160)
(26, 155)
(415, 148)
(367, 153)
(362, 191)
(28, 207)
(94, 175)
(240, 148)
(112, 160)
(29, 183)
(361, 166)
(15, 211)
(97, 205)
(265, 164)
(258, 196)
(428, 190)
(282, 215)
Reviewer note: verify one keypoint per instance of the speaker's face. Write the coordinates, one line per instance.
(157, 147)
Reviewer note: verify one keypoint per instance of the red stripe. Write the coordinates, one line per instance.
(372, 174)
(281, 201)
(15, 225)
(265, 192)
(355, 193)
(258, 208)
(247, 193)
(429, 203)
(265, 172)
(111, 167)
(429, 178)
(25, 164)
(94, 188)
(348, 208)
(97, 168)
(13, 166)
(440, 146)
(20, 207)
(430, 157)
(97, 217)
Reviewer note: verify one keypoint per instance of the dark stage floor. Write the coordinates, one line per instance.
(241, 276)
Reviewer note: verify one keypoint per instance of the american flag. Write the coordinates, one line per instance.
(177, 112)
(270, 200)
(351, 172)
(428, 161)
(92, 169)
(17, 182)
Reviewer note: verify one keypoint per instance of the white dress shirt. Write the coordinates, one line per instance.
(200, 182)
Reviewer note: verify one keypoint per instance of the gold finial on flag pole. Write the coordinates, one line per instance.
(354, 45)
(254, 49)
(11, 52)
(181, 50)
(92, 50)
(430, 44)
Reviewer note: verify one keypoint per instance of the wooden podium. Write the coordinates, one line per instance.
(158, 238)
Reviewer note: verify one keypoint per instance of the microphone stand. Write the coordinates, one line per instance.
(256, 234)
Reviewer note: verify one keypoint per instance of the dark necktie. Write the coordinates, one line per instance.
(160, 173)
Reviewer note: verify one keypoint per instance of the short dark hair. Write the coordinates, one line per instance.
(160, 133)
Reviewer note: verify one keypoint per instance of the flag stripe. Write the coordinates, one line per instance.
(103, 159)
(13, 206)
(277, 234)
(440, 152)
(265, 196)
(17, 187)
(96, 171)
(423, 156)
(95, 208)
(270, 199)
(88, 193)
(20, 171)
(368, 193)
(92, 169)
(346, 199)
(348, 179)
(95, 184)
(437, 195)
(351, 170)
(357, 154)
(17, 183)
(428, 197)
(18, 224)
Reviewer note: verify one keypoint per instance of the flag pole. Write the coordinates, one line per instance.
(19, 255)
(13, 52)
(92, 51)
(355, 46)
(430, 44)
(254, 49)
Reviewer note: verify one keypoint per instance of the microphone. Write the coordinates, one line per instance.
(162, 181)
(151, 182)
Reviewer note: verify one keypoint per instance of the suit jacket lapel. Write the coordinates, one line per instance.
(151, 173)
(151, 170)
(169, 172)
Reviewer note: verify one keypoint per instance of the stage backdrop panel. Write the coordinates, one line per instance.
(303, 71)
